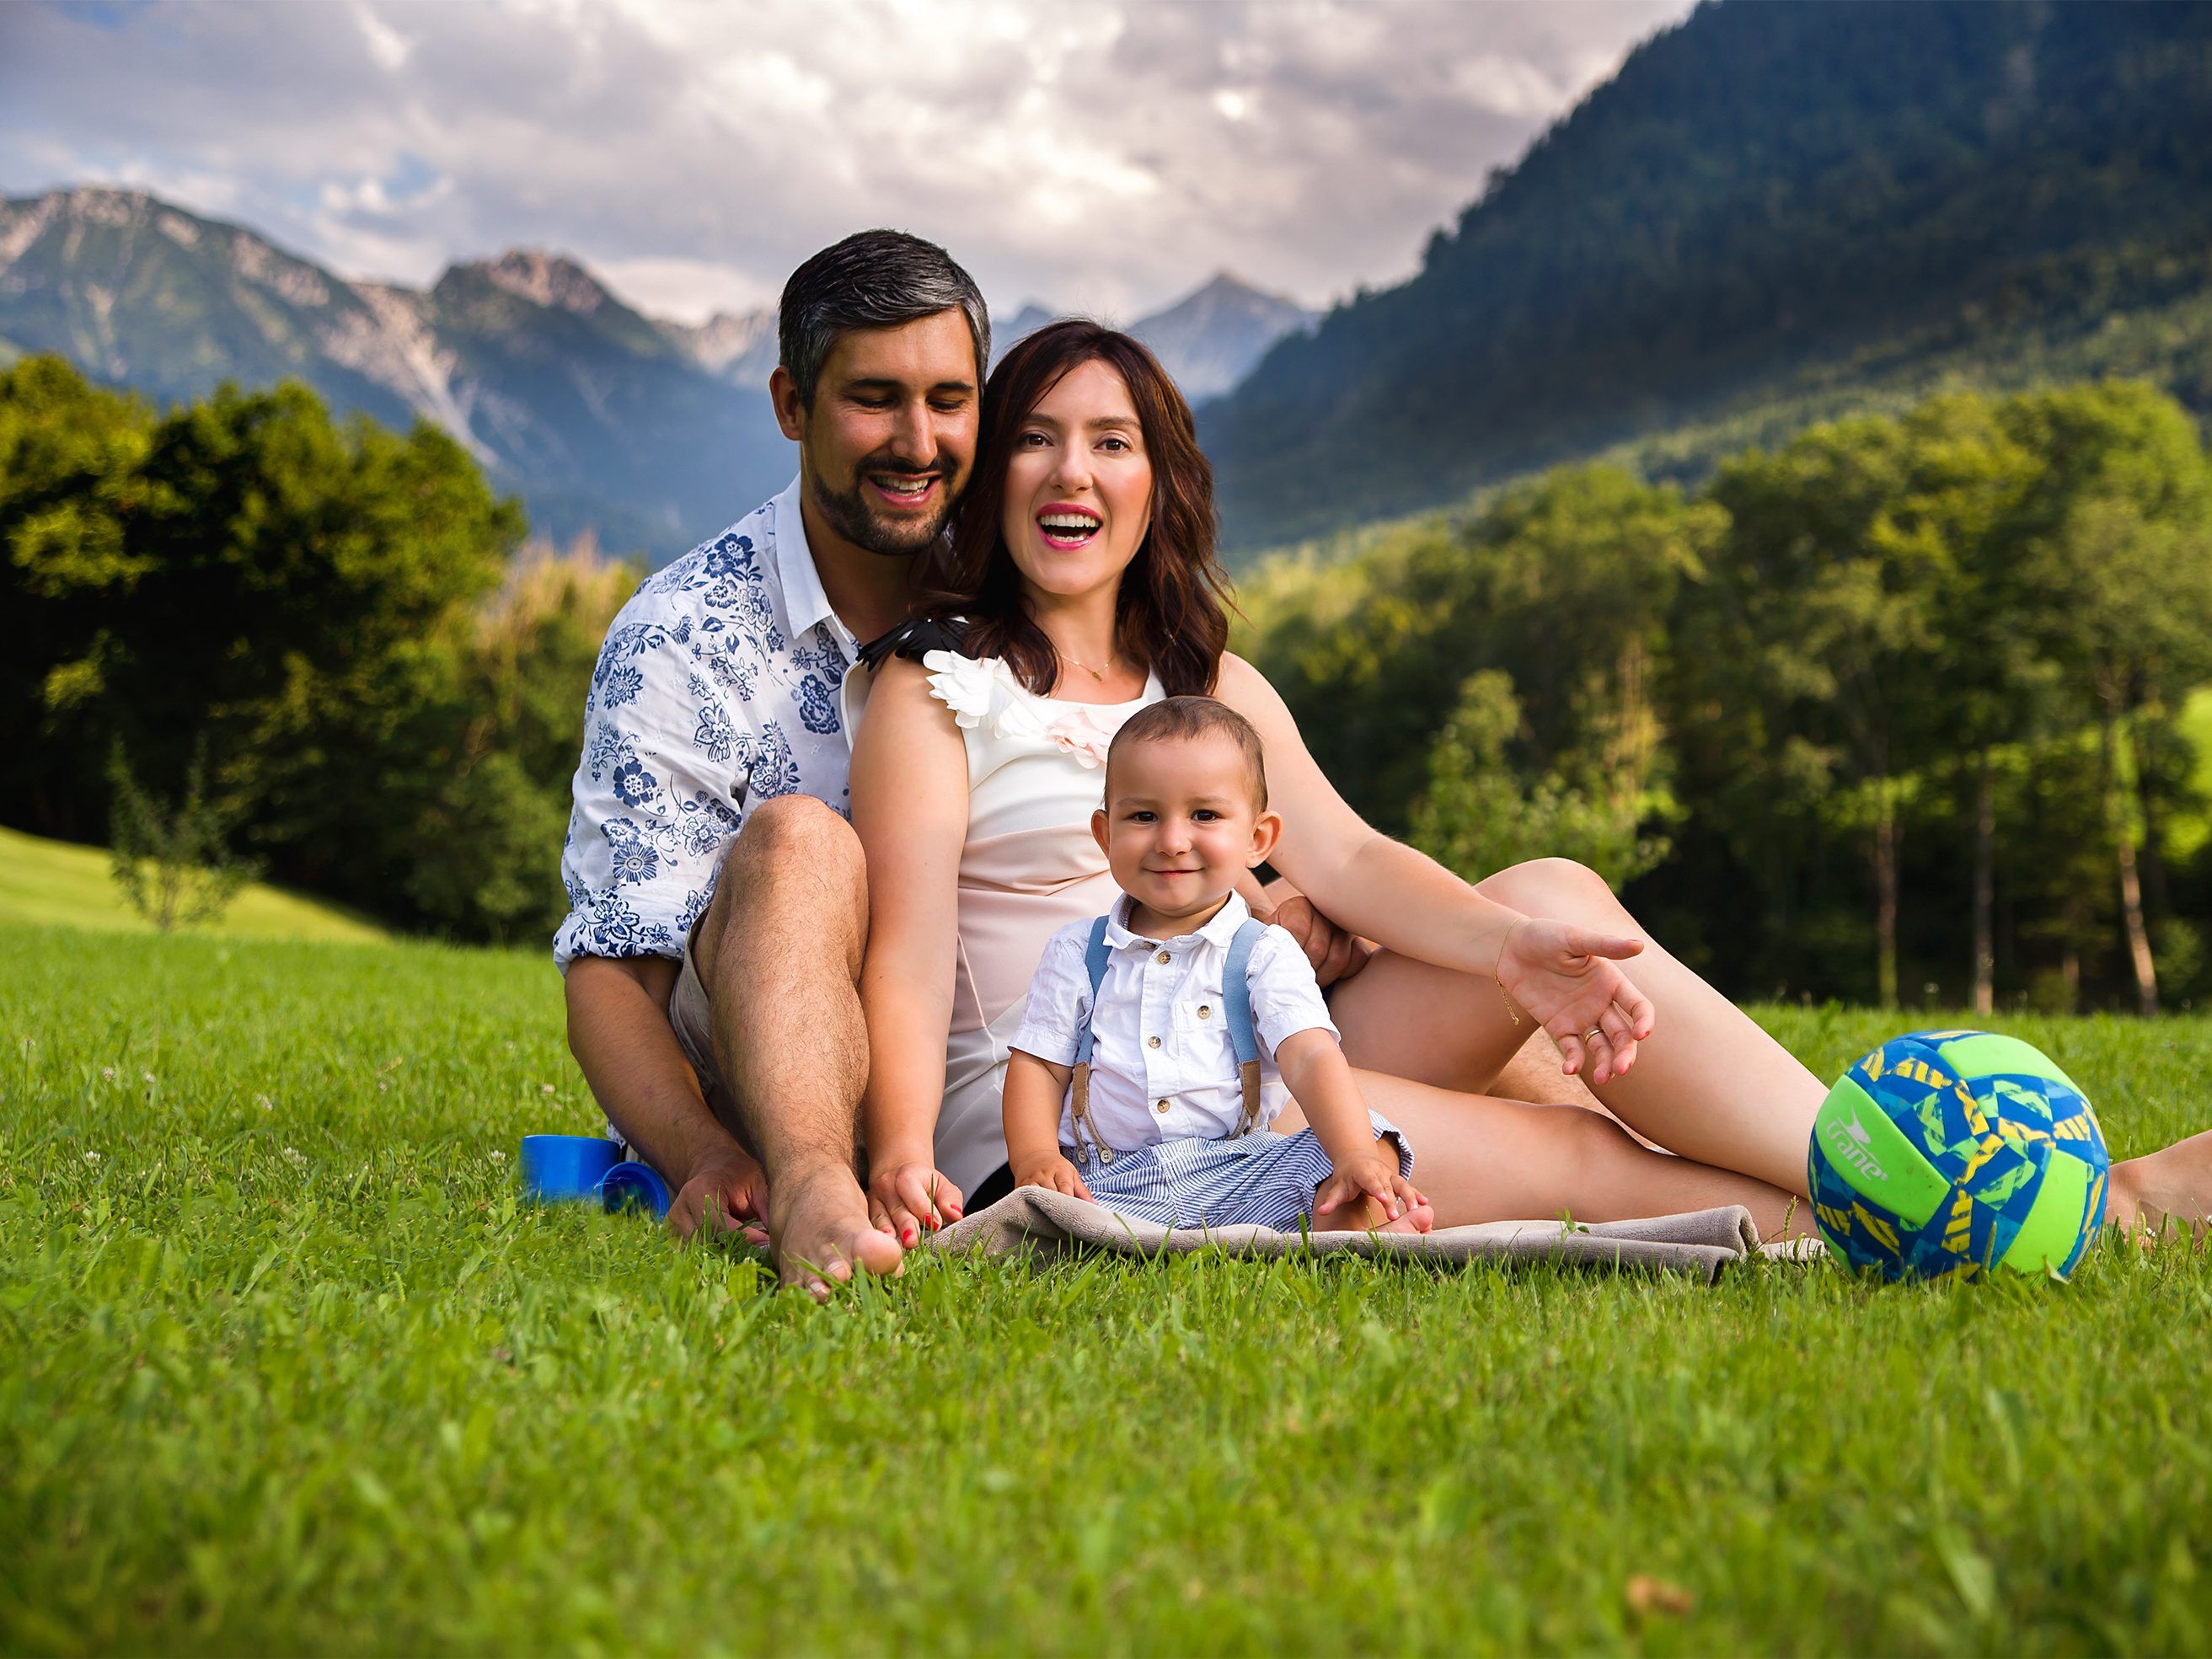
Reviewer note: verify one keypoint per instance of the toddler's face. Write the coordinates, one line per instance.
(1180, 824)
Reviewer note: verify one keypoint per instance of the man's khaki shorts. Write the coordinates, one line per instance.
(689, 1014)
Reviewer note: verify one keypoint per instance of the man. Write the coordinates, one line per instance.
(718, 898)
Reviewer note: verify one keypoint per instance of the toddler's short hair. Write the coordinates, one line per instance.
(1179, 720)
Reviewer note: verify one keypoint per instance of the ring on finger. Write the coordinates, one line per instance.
(1594, 1031)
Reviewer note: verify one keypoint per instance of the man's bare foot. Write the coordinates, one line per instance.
(819, 1231)
(2168, 1192)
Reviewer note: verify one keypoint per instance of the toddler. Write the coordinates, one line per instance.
(1159, 1039)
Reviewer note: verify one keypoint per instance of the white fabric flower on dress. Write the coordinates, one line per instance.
(981, 690)
(955, 681)
(1077, 734)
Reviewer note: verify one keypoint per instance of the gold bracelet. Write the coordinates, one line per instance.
(1498, 972)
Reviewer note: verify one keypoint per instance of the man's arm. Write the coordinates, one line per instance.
(618, 1030)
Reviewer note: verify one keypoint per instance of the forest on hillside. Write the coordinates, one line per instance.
(1771, 214)
(1906, 708)
(387, 688)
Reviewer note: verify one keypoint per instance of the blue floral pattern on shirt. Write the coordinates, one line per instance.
(717, 688)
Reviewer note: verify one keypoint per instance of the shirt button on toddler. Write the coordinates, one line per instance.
(1160, 1106)
(1204, 1011)
(1164, 957)
(1154, 1041)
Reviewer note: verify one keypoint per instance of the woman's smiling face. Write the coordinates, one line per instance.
(1078, 487)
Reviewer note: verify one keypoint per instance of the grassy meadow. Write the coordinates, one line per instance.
(55, 881)
(290, 1369)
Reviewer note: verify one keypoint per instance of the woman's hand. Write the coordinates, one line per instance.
(1373, 1177)
(907, 1197)
(1567, 977)
(1052, 1170)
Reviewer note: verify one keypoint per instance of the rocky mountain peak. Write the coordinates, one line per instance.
(727, 338)
(545, 278)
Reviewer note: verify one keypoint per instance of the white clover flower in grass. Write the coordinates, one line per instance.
(497, 1155)
(265, 1102)
(91, 1157)
(149, 1077)
(293, 1154)
(107, 1074)
(545, 1088)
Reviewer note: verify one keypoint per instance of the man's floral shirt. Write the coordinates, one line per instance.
(717, 688)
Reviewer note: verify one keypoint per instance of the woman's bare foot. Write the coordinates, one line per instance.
(819, 1230)
(2165, 1192)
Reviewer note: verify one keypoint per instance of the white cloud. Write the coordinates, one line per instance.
(1102, 154)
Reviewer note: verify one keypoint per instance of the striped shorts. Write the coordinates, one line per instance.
(1259, 1180)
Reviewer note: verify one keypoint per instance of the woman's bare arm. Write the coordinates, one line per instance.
(1567, 977)
(1363, 880)
(910, 809)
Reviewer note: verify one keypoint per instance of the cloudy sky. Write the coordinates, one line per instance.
(1103, 155)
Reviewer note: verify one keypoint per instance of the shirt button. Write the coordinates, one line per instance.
(1164, 957)
(1160, 1107)
(1152, 1042)
(1205, 1012)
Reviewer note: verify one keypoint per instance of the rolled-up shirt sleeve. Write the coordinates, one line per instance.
(1286, 997)
(1060, 998)
(657, 792)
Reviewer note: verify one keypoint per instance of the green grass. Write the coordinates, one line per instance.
(288, 1368)
(56, 882)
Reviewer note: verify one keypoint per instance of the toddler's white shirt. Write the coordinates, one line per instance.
(1162, 1064)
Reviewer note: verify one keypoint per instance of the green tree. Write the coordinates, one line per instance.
(72, 493)
(2116, 570)
(171, 859)
(1561, 583)
(1818, 636)
(487, 765)
(1477, 817)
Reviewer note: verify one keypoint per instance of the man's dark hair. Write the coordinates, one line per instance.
(1179, 720)
(873, 279)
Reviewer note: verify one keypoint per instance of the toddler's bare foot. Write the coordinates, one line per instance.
(1367, 1217)
(819, 1230)
(2165, 1194)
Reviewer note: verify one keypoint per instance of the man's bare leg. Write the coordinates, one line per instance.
(779, 955)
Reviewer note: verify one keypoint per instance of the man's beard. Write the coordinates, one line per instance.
(853, 516)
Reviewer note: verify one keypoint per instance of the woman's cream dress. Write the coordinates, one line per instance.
(1028, 867)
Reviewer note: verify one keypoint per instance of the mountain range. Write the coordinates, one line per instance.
(649, 432)
(1769, 214)
(1209, 340)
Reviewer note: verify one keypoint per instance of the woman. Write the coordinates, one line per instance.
(1082, 583)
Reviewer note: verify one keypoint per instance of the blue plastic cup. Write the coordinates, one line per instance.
(638, 1185)
(556, 1168)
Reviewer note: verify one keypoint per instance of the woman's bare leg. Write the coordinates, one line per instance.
(1480, 1159)
(2170, 1188)
(1708, 1084)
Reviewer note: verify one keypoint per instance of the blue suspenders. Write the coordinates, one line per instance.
(1235, 1007)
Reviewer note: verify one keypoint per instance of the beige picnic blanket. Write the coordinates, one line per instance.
(1699, 1244)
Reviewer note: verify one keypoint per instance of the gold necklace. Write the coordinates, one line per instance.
(1097, 674)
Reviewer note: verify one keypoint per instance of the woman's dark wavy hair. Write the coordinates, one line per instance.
(1174, 604)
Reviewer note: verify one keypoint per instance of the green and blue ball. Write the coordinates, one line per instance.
(1961, 1153)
